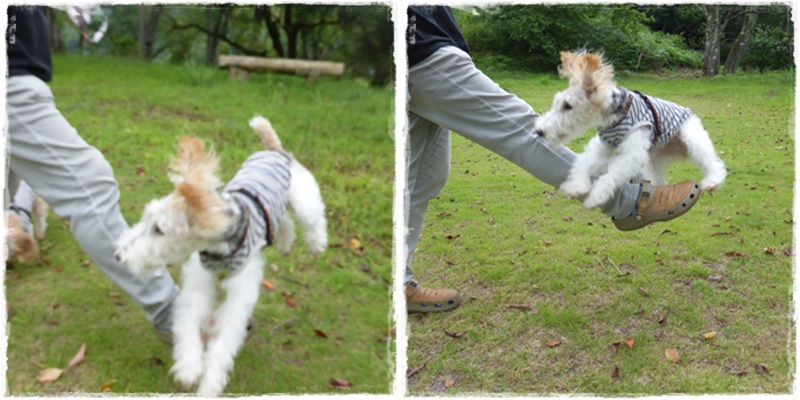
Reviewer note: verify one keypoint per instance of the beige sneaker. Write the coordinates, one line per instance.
(661, 203)
(419, 299)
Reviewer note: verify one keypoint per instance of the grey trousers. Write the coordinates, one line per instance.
(448, 93)
(76, 180)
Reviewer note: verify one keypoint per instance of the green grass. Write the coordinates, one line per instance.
(518, 242)
(134, 113)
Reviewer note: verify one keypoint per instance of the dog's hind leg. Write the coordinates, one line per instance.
(285, 237)
(306, 201)
(701, 153)
(230, 325)
(192, 310)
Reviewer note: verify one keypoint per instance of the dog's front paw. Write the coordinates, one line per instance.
(711, 183)
(575, 188)
(213, 383)
(597, 197)
(188, 372)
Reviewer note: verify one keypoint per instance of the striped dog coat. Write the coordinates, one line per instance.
(665, 118)
(260, 190)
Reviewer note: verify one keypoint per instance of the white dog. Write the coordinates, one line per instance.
(210, 231)
(638, 135)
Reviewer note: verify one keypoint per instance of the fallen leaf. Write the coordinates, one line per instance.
(320, 333)
(113, 295)
(267, 284)
(721, 233)
(715, 278)
(156, 361)
(662, 319)
(770, 251)
(644, 292)
(339, 383)
(615, 345)
(275, 267)
(734, 254)
(140, 170)
(49, 375)
(547, 242)
(451, 237)
(354, 244)
(672, 355)
(455, 335)
(449, 382)
(444, 214)
(106, 387)
(79, 357)
(615, 373)
(741, 372)
(412, 372)
(289, 300)
(519, 307)
(552, 343)
(761, 369)
(709, 335)
(629, 342)
(567, 218)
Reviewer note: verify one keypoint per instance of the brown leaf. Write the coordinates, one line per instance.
(547, 243)
(79, 357)
(709, 335)
(519, 306)
(449, 382)
(320, 333)
(268, 285)
(552, 343)
(451, 237)
(289, 300)
(275, 267)
(615, 345)
(444, 214)
(49, 375)
(615, 373)
(662, 319)
(412, 372)
(629, 342)
(672, 355)
(715, 278)
(761, 369)
(455, 335)
(113, 295)
(106, 387)
(567, 218)
(734, 254)
(339, 383)
(140, 170)
(721, 233)
(644, 292)
(770, 251)
(741, 372)
(355, 245)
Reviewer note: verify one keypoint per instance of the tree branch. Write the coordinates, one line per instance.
(250, 52)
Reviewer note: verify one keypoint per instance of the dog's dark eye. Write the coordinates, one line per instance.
(157, 231)
(566, 107)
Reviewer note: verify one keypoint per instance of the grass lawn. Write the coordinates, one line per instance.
(134, 113)
(550, 287)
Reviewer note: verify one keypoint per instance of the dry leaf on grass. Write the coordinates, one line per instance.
(414, 371)
(552, 343)
(455, 335)
(106, 387)
(289, 300)
(49, 375)
(339, 383)
(672, 355)
(761, 369)
(320, 333)
(615, 373)
(519, 307)
(449, 382)
(615, 345)
(79, 357)
(629, 342)
(709, 335)
(268, 285)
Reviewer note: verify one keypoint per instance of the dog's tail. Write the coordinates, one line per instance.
(264, 129)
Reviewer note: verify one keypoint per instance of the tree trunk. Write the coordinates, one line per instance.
(56, 41)
(148, 30)
(711, 52)
(217, 23)
(740, 44)
(265, 12)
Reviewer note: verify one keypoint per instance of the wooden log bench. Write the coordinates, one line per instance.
(240, 67)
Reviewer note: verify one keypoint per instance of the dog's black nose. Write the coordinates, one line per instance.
(538, 132)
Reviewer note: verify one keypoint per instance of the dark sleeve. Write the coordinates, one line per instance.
(429, 29)
(28, 42)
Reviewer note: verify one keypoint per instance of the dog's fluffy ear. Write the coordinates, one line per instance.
(204, 209)
(194, 164)
(587, 70)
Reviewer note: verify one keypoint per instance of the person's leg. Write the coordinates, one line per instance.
(428, 169)
(22, 204)
(78, 183)
(450, 91)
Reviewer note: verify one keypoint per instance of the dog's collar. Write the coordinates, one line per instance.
(235, 235)
(627, 103)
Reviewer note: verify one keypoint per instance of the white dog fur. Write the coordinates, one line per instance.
(195, 218)
(594, 100)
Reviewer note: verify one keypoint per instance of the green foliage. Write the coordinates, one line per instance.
(770, 49)
(533, 35)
